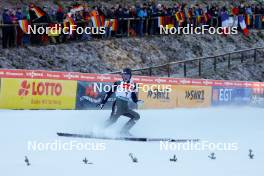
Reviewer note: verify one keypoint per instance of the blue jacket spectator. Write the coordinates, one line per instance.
(6, 17)
(142, 13)
(19, 14)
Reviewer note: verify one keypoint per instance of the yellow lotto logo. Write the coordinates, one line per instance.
(37, 94)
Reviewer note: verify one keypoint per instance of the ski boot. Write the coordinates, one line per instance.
(125, 130)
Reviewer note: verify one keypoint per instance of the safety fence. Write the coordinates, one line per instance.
(197, 66)
(36, 89)
(124, 27)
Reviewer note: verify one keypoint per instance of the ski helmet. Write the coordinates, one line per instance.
(126, 74)
(127, 71)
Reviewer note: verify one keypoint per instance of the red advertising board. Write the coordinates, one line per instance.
(41, 74)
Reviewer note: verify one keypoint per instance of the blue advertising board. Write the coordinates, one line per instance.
(90, 94)
(231, 96)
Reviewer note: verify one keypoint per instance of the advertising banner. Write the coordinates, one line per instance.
(90, 94)
(157, 96)
(0, 85)
(39, 89)
(231, 96)
(37, 94)
(257, 98)
(193, 96)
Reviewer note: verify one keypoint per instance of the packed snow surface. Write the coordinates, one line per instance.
(242, 126)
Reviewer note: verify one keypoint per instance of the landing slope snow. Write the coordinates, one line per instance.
(243, 126)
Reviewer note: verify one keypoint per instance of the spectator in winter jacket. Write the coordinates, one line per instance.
(60, 15)
(249, 10)
(20, 33)
(142, 13)
(242, 9)
(8, 31)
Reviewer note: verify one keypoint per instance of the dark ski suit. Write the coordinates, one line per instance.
(121, 105)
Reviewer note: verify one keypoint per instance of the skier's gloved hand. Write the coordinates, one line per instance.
(101, 105)
(140, 102)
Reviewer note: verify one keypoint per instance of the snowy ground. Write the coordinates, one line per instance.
(243, 126)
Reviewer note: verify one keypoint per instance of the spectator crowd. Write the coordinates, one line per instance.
(133, 20)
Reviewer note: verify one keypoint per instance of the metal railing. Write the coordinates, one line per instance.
(168, 70)
(150, 27)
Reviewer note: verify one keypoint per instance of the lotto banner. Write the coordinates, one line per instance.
(157, 96)
(231, 96)
(193, 96)
(37, 94)
(0, 86)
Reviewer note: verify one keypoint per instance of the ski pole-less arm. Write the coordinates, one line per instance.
(134, 96)
(109, 93)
